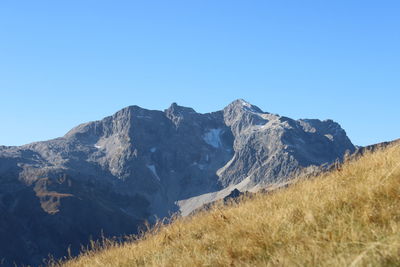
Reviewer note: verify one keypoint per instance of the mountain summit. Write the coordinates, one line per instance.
(111, 175)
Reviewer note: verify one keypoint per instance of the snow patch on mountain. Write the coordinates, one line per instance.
(152, 168)
(213, 137)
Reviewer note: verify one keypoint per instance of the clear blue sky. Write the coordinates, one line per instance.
(67, 62)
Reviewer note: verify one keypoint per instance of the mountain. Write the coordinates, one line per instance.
(346, 217)
(105, 178)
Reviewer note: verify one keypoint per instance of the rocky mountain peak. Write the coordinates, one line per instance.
(177, 110)
(139, 164)
(242, 105)
(177, 113)
(240, 115)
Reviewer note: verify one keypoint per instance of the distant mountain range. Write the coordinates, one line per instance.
(107, 177)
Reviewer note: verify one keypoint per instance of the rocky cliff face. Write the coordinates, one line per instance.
(110, 175)
(269, 147)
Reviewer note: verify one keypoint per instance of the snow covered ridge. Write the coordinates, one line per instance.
(213, 137)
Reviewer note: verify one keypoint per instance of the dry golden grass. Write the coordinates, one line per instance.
(348, 217)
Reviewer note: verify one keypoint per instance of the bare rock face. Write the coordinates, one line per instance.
(270, 148)
(107, 177)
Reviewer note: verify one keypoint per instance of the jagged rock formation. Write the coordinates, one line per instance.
(140, 164)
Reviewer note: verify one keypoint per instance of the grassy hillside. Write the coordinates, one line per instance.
(349, 217)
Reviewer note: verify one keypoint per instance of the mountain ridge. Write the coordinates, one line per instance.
(141, 164)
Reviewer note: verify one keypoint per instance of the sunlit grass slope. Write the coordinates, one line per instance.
(348, 217)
